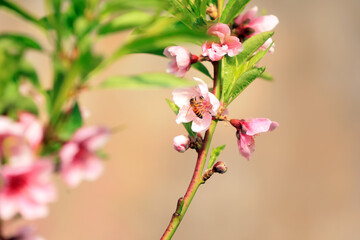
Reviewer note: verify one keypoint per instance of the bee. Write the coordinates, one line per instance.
(197, 107)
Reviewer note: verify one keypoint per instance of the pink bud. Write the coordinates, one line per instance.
(181, 143)
(220, 167)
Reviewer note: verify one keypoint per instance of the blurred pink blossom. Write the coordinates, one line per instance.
(180, 60)
(78, 156)
(26, 190)
(228, 44)
(181, 143)
(248, 129)
(197, 105)
(247, 25)
(19, 140)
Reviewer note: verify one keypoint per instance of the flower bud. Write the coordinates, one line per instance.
(220, 167)
(212, 11)
(181, 143)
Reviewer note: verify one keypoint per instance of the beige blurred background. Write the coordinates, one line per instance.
(303, 181)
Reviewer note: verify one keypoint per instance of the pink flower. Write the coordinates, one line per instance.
(78, 156)
(181, 60)
(197, 105)
(32, 129)
(181, 143)
(19, 140)
(228, 44)
(26, 233)
(248, 129)
(247, 25)
(26, 190)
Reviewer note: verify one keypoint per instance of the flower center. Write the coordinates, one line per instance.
(243, 31)
(81, 156)
(200, 106)
(17, 183)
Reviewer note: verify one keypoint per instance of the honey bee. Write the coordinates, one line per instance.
(197, 107)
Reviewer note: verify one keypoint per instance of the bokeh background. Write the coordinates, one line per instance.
(303, 181)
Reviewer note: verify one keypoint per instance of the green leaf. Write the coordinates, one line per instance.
(175, 109)
(21, 40)
(252, 45)
(214, 155)
(232, 10)
(124, 22)
(258, 56)
(119, 6)
(164, 34)
(73, 121)
(229, 68)
(148, 80)
(266, 76)
(244, 81)
(21, 12)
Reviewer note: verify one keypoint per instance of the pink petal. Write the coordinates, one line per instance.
(72, 175)
(93, 168)
(202, 87)
(181, 96)
(257, 125)
(221, 30)
(215, 103)
(267, 44)
(264, 23)
(42, 193)
(234, 46)
(246, 145)
(98, 139)
(172, 67)
(67, 153)
(186, 114)
(33, 129)
(199, 125)
(7, 207)
(250, 14)
(31, 210)
(8, 127)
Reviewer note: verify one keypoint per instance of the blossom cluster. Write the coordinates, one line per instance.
(229, 41)
(26, 171)
(200, 106)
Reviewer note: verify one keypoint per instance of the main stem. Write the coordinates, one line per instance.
(196, 180)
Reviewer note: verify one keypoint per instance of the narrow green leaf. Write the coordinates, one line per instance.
(266, 76)
(148, 80)
(21, 12)
(124, 22)
(118, 6)
(164, 33)
(251, 45)
(244, 81)
(21, 40)
(232, 10)
(258, 56)
(175, 109)
(214, 155)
